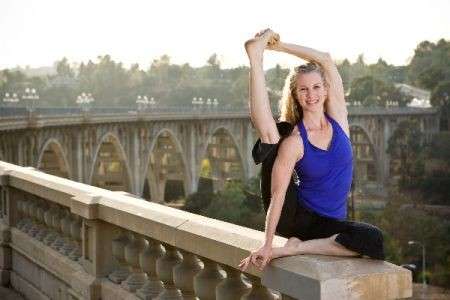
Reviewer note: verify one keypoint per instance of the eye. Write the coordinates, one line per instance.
(317, 87)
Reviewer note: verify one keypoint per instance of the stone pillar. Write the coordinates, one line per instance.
(164, 269)
(77, 157)
(258, 291)
(5, 233)
(50, 236)
(75, 232)
(118, 245)
(147, 260)
(231, 287)
(192, 162)
(135, 163)
(137, 277)
(183, 275)
(206, 280)
(97, 255)
(384, 157)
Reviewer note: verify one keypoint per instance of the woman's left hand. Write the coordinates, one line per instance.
(259, 258)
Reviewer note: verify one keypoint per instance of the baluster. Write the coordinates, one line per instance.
(232, 287)
(164, 269)
(57, 219)
(153, 286)
(27, 221)
(67, 246)
(21, 214)
(42, 226)
(118, 249)
(137, 277)
(183, 275)
(258, 291)
(75, 232)
(48, 217)
(206, 280)
(34, 228)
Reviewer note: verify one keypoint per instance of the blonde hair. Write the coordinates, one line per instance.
(290, 109)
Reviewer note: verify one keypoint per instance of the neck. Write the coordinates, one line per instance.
(314, 120)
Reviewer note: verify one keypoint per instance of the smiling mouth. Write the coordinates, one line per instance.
(312, 102)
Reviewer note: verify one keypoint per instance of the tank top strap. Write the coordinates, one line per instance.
(302, 130)
(332, 121)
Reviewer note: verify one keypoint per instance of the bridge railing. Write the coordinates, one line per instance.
(15, 111)
(70, 240)
(10, 111)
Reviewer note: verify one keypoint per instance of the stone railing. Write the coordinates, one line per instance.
(65, 240)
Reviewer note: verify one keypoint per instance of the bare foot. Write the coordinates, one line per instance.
(256, 45)
(283, 251)
(293, 241)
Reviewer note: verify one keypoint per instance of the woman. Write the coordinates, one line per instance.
(312, 143)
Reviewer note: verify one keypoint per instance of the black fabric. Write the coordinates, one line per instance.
(360, 237)
(266, 153)
(301, 222)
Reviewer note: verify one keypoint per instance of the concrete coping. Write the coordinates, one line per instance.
(303, 277)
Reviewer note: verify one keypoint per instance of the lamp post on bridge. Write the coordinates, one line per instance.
(142, 103)
(197, 103)
(84, 101)
(9, 100)
(30, 96)
(210, 104)
(424, 282)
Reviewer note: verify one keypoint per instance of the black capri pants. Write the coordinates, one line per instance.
(305, 224)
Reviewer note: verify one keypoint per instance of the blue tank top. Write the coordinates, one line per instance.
(325, 175)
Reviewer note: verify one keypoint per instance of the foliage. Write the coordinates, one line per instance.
(401, 224)
(371, 91)
(430, 64)
(237, 203)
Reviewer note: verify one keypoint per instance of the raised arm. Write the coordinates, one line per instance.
(259, 105)
(335, 106)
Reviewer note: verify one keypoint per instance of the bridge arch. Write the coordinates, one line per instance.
(50, 152)
(109, 139)
(237, 151)
(367, 169)
(165, 153)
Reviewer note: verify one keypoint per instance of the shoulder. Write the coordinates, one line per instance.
(292, 145)
(342, 121)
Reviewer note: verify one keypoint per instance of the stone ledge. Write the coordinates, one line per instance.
(329, 277)
(56, 264)
(112, 291)
(220, 241)
(25, 288)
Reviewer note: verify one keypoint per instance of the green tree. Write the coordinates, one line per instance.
(430, 64)
(440, 98)
(406, 145)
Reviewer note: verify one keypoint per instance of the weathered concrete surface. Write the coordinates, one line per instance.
(328, 277)
(9, 294)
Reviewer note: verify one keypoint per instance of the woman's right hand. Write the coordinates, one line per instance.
(260, 258)
(265, 39)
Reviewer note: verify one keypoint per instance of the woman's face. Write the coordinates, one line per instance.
(311, 91)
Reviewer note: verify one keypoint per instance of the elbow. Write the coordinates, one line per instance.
(327, 59)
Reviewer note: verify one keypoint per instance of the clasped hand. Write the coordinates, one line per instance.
(260, 258)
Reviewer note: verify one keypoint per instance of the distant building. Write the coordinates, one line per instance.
(421, 97)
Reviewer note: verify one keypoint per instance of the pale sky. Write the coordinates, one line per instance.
(37, 33)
